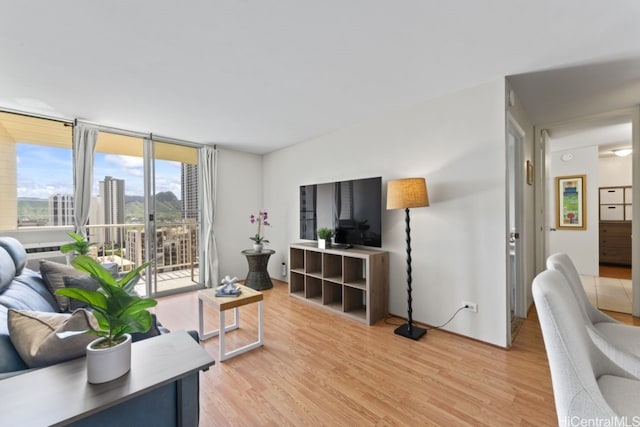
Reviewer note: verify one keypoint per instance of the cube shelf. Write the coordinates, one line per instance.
(296, 260)
(352, 282)
(313, 289)
(332, 295)
(313, 263)
(332, 268)
(296, 283)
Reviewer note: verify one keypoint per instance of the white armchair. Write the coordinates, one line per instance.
(587, 385)
(607, 333)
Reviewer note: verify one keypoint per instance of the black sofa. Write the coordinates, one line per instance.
(25, 289)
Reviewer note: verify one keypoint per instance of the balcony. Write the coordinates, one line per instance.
(176, 253)
(176, 260)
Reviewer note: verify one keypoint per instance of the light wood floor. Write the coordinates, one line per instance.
(318, 368)
(615, 271)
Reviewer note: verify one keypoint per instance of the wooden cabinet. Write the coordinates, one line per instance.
(352, 282)
(615, 225)
(615, 242)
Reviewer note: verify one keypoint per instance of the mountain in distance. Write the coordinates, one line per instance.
(33, 210)
(168, 208)
(33, 199)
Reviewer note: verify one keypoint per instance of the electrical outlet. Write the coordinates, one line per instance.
(470, 306)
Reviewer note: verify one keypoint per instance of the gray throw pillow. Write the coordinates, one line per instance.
(33, 334)
(112, 268)
(153, 331)
(53, 274)
(80, 282)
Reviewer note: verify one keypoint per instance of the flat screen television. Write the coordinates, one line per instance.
(352, 209)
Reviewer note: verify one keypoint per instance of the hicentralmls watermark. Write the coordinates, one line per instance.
(576, 421)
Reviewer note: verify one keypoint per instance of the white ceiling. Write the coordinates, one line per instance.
(257, 75)
(606, 137)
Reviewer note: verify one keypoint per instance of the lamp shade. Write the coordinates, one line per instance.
(407, 193)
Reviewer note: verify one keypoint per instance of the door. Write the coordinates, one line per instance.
(173, 217)
(146, 208)
(515, 184)
(117, 216)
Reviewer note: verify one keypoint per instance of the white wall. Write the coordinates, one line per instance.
(580, 245)
(614, 171)
(458, 143)
(239, 195)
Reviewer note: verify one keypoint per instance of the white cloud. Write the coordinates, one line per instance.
(41, 191)
(126, 165)
(164, 184)
(124, 161)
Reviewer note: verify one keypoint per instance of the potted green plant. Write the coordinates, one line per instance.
(79, 246)
(324, 237)
(118, 312)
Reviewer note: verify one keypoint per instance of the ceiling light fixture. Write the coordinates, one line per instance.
(622, 152)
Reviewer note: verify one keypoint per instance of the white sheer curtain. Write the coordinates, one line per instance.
(84, 145)
(208, 169)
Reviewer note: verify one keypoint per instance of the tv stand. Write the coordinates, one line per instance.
(353, 283)
(340, 246)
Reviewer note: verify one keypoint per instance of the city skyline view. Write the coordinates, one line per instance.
(43, 171)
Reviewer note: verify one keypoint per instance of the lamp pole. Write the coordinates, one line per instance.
(408, 330)
(404, 194)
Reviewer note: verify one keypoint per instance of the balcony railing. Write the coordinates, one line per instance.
(176, 252)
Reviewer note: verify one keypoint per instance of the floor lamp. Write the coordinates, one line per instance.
(404, 194)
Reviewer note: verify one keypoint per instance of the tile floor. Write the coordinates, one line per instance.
(608, 294)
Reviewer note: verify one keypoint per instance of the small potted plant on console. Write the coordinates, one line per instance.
(324, 237)
(118, 312)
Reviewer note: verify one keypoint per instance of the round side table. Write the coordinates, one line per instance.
(258, 277)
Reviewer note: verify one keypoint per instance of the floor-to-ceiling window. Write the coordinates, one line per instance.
(36, 184)
(36, 173)
(145, 208)
(143, 191)
(116, 214)
(175, 210)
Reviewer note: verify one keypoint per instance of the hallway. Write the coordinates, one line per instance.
(607, 293)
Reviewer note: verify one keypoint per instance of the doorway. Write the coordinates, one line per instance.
(515, 221)
(585, 147)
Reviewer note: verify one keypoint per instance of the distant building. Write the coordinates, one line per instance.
(112, 196)
(61, 209)
(176, 247)
(189, 191)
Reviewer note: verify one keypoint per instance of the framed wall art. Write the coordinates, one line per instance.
(570, 202)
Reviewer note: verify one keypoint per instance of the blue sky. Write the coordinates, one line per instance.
(43, 171)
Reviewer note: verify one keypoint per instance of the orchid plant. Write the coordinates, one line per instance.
(262, 220)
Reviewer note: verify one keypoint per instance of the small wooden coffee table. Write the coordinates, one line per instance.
(247, 296)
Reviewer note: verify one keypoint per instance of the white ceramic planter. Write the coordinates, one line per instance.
(104, 365)
(257, 247)
(324, 243)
